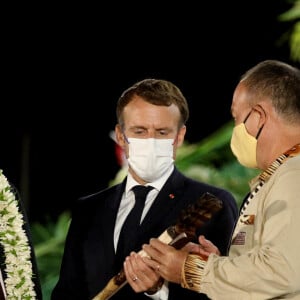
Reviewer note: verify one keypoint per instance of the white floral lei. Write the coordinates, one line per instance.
(19, 284)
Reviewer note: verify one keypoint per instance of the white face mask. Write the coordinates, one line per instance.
(150, 158)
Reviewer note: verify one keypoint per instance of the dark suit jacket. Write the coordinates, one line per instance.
(89, 257)
(26, 227)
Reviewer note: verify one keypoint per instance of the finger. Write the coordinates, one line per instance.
(145, 277)
(151, 251)
(203, 241)
(154, 265)
(191, 247)
(207, 246)
(130, 276)
(159, 245)
(143, 269)
(156, 248)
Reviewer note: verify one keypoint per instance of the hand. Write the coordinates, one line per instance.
(141, 276)
(204, 248)
(165, 260)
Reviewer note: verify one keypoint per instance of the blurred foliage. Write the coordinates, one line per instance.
(49, 242)
(292, 36)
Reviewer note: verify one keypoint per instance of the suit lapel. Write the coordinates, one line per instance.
(102, 233)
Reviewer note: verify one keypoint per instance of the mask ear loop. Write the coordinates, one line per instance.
(125, 138)
(247, 116)
(259, 131)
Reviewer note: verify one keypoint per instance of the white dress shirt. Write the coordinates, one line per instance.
(127, 203)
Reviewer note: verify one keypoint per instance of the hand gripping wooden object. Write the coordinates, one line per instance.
(191, 218)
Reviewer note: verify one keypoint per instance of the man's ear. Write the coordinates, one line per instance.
(120, 136)
(180, 136)
(262, 114)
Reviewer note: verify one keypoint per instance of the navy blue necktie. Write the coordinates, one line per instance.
(129, 231)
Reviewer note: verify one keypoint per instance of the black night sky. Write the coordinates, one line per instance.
(65, 67)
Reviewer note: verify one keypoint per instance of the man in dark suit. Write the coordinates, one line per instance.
(151, 125)
(19, 278)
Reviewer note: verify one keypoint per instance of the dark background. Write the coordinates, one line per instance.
(65, 67)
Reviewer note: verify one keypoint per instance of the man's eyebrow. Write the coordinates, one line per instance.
(137, 127)
(163, 128)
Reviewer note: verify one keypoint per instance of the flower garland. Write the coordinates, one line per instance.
(18, 284)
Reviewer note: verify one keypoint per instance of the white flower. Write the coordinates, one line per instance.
(19, 284)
